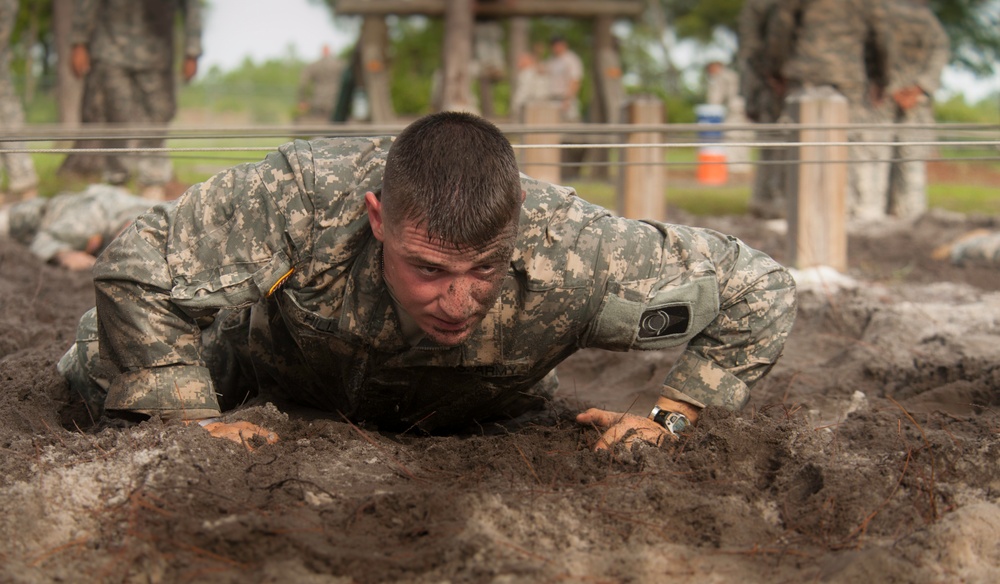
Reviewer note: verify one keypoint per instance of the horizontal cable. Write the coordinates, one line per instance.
(137, 132)
(602, 146)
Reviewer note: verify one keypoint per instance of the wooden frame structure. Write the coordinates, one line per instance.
(459, 18)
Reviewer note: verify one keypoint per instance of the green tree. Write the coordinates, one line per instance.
(974, 29)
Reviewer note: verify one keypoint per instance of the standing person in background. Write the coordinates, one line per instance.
(565, 71)
(22, 181)
(722, 87)
(923, 51)
(532, 85)
(124, 49)
(319, 87)
(828, 40)
(759, 71)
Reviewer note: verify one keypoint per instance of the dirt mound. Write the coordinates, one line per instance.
(868, 454)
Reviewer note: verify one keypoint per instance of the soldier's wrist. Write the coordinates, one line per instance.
(689, 411)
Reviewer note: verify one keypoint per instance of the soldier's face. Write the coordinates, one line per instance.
(448, 292)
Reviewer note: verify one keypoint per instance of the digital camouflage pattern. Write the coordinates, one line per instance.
(825, 41)
(843, 44)
(267, 277)
(131, 78)
(922, 48)
(977, 247)
(20, 169)
(137, 36)
(755, 63)
(762, 104)
(74, 221)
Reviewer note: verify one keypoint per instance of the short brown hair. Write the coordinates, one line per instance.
(455, 175)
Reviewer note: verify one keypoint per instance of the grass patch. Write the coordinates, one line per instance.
(965, 198)
(724, 200)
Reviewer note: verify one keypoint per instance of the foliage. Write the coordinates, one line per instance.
(972, 25)
(698, 19)
(33, 17)
(957, 110)
(416, 56)
(267, 91)
(974, 29)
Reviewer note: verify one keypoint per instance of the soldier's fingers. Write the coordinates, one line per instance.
(627, 434)
(597, 417)
(241, 432)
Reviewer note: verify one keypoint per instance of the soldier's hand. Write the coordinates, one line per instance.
(77, 261)
(908, 97)
(625, 428)
(241, 432)
(190, 68)
(80, 60)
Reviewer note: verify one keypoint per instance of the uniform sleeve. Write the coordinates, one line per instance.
(667, 285)
(781, 27)
(884, 51)
(84, 19)
(192, 28)
(939, 51)
(226, 243)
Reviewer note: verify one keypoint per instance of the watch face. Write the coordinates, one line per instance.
(672, 421)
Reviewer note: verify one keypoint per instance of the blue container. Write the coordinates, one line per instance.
(710, 114)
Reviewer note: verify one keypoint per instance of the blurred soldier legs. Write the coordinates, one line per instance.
(123, 97)
(868, 177)
(908, 178)
(21, 177)
(768, 200)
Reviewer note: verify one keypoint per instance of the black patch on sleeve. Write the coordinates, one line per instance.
(664, 321)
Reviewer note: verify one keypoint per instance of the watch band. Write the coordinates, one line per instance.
(674, 422)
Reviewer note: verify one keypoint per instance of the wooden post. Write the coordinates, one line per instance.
(542, 163)
(817, 197)
(70, 88)
(456, 82)
(374, 69)
(644, 177)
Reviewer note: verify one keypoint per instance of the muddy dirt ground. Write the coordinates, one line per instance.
(870, 454)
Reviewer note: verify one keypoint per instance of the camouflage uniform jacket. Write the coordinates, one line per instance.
(922, 46)
(756, 64)
(828, 40)
(71, 221)
(288, 240)
(136, 35)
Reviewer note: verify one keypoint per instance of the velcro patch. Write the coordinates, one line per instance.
(665, 321)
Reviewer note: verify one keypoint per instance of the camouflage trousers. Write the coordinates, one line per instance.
(868, 155)
(908, 177)
(19, 167)
(115, 95)
(868, 174)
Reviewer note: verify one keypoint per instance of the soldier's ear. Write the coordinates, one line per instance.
(524, 195)
(375, 218)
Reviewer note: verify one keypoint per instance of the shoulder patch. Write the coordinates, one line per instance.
(665, 321)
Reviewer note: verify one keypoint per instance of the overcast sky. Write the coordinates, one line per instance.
(262, 29)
